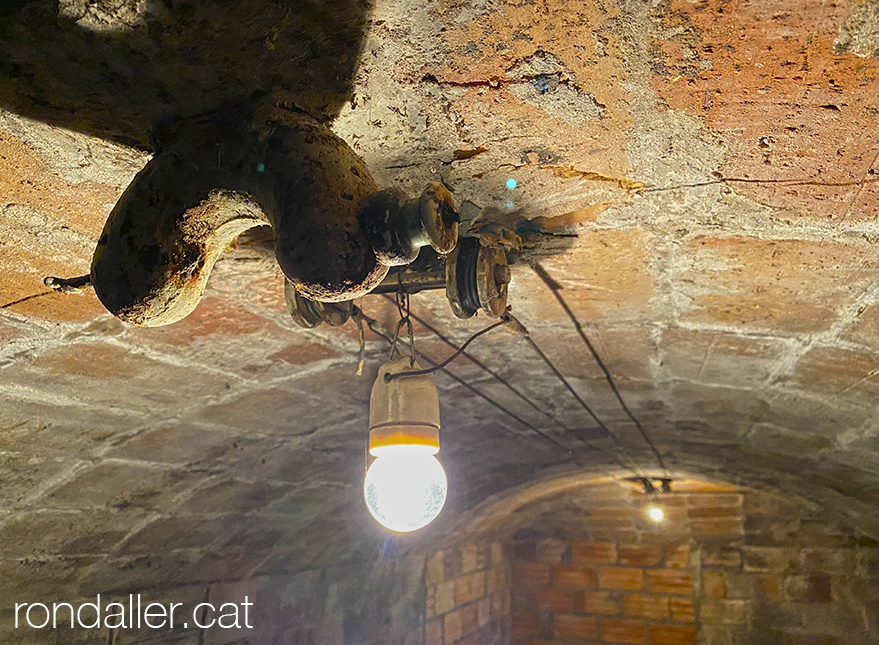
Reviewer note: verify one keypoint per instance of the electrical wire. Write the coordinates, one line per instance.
(555, 288)
(439, 366)
(57, 285)
(555, 370)
(518, 392)
(361, 354)
(68, 285)
(377, 329)
(491, 372)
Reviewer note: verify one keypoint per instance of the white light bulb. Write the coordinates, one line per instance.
(656, 514)
(405, 487)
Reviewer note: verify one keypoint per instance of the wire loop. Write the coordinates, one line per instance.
(430, 370)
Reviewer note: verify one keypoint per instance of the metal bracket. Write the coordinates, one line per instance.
(474, 276)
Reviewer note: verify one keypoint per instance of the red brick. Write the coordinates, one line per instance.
(593, 552)
(471, 618)
(725, 612)
(445, 597)
(627, 536)
(433, 632)
(525, 624)
(683, 610)
(712, 584)
(469, 588)
(570, 575)
(430, 603)
(623, 631)
(470, 557)
(701, 486)
(597, 602)
(641, 606)
(717, 526)
(621, 578)
(453, 626)
(496, 553)
(675, 581)
(531, 574)
(477, 585)
(570, 626)
(732, 500)
(462, 621)
(611, 519)
(641, 555)
(771, 559)
(818, 589)
(667, 635)
(452, 564)
(553, 600)
(767, 586)
(295, 354)
(728, 557)
(496, 579)
(462, 591)
(435, 569)
(838, 371)
(714, 512)
(810, 589)
(677, 557)
(830, 561)
(749, 296)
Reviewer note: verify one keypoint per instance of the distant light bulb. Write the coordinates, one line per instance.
(405, 487)
(656, 514)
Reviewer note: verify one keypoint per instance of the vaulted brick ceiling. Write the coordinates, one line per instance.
(717, 158)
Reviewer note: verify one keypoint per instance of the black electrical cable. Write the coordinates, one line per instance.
(68, 285)
(573, 392)
(519, 393)
(439, 366)
(490, 371)
(376, 328)
(556, 288)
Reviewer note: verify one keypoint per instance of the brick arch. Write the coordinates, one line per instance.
(728, 565)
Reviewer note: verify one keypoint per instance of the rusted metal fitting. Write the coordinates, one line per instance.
(213, 177)
(311, 313)
(474, 276)
(398, 227)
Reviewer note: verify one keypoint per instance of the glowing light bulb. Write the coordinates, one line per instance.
(405, 487)
(656, 514)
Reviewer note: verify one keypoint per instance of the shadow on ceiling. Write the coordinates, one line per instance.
(115, 68)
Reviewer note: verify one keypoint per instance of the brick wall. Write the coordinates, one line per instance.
(792, 576)
(726, 567)
(602, 592)
(457, 596)
(468, 596)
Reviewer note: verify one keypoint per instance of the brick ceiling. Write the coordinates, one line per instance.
(718, 157)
